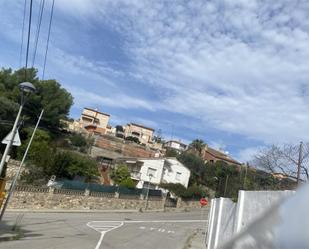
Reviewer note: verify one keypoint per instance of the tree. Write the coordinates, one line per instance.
(121, 176)
(78, 140)
(197, 145)
(170, 152)
(44, 160)
(55, 100)
(119, 128)
(284, 159)
(196, 165)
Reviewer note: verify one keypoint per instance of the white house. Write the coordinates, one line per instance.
(151, 172)
(176, 145)
(175, 172)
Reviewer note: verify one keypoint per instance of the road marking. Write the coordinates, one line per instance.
(158, 229)
(103, 227)
(155, 221)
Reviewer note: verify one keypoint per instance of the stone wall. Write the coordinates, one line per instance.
(61, 199)
(12, 168)
(35, 198)
(189, 204)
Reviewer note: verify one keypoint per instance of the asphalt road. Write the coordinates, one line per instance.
(105, 230)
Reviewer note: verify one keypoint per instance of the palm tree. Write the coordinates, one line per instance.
(198, 145)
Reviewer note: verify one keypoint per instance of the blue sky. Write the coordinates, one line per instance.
(231, 72)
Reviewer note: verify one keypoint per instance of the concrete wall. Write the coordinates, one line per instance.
(221, 221)
(227, 218)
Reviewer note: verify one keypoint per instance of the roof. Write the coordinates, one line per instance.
(147, 128)
(221, 155)
(86, 115)
(93, 110)
(175, 141)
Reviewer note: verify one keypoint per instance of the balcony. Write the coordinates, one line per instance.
(135, 175)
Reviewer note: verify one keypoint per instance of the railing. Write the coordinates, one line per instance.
(102, 194)
(69, 192)
(135, 175)
(26, 188)
(93, 190)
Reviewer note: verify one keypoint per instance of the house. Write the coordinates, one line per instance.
(143, 133)
(176, 145)
(211, 155)
(94, 121)
(151, 172)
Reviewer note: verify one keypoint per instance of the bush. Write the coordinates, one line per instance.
(170, 152)
(180, 191)
(121, 176)
(128, 183)
(133, 139)
(78, 140)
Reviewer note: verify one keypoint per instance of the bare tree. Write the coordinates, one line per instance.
(285, 159)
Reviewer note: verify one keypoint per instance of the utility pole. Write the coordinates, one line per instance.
(12, 187)
(225, 187)
(300, 155)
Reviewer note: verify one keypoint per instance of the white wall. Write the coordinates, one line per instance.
(176, 167)
(156, 164)
(164, 173)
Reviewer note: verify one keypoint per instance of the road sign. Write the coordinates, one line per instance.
(16, 141)
(203, 202)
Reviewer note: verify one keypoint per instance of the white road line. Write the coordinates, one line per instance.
(155, 221)
(107, 226)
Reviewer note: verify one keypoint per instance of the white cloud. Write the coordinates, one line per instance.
(87, 98)
(247, 155)
(239, 66)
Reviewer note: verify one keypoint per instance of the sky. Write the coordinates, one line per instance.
(231, 72)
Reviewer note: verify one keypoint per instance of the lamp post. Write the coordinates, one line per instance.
(147, 195)
(26, 89)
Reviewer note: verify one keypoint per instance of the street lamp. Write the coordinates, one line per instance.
(26, 89)
(147, 195)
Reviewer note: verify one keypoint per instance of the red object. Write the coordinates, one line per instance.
(203, 202)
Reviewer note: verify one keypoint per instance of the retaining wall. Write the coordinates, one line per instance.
(34, 198)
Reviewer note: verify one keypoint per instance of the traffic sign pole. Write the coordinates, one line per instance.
(9, 145)
(12, 187)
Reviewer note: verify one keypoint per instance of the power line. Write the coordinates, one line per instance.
(22, 35)
(47, 44)
(37, 34)
(29, 33)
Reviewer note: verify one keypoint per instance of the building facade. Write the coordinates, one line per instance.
(151, 173)
(94, 121)
(143, 133)
(176, 145)
(211, 155)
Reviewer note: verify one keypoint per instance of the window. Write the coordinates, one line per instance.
(151, 171)
(178, 176)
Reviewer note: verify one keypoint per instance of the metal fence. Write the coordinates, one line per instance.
(93, 187)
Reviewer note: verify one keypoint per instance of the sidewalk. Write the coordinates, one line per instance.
(7, 233)
(196, 240)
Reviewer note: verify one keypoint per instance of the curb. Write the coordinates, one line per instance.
(80, 211)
